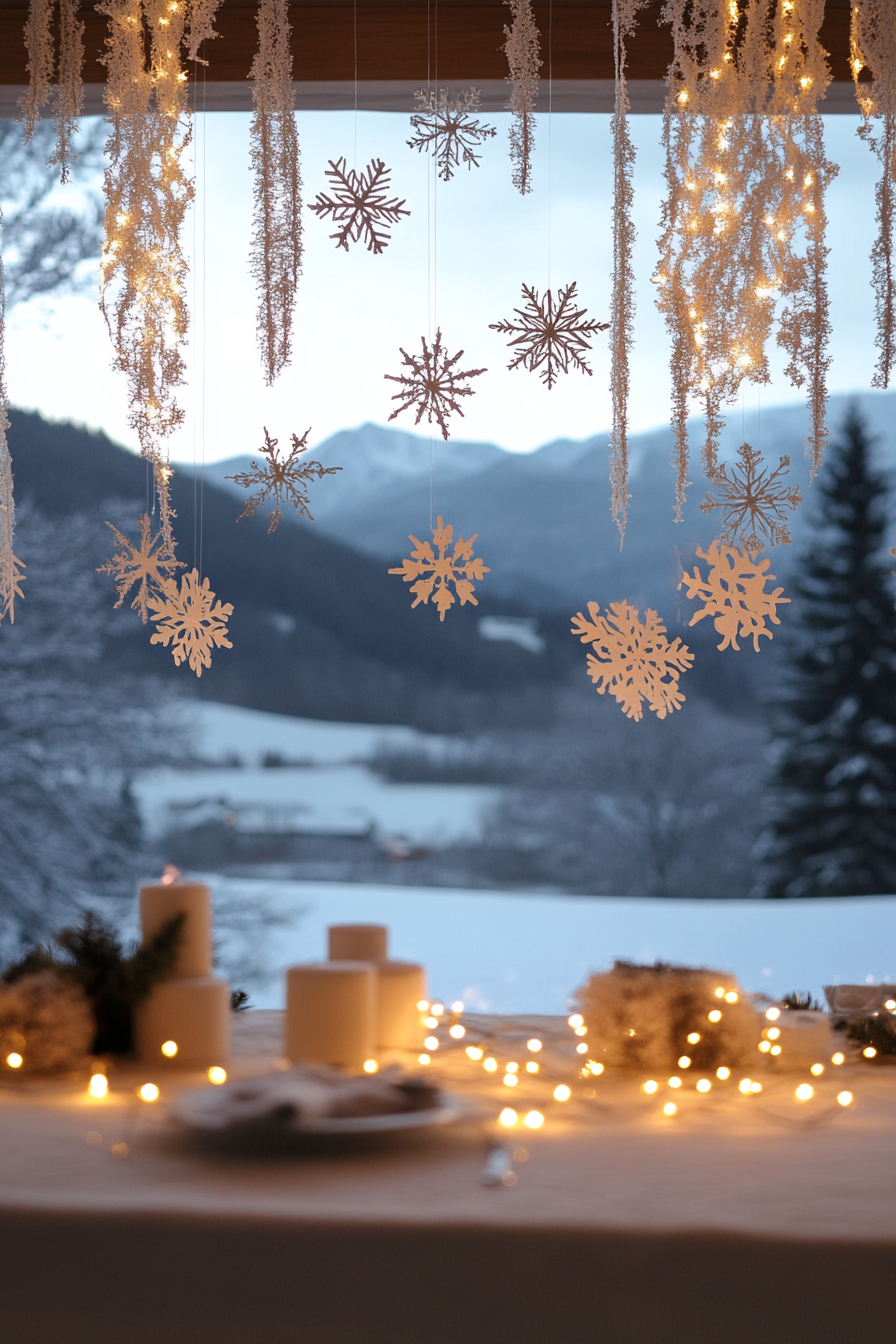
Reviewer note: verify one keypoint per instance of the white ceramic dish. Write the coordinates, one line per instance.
(200, 1110)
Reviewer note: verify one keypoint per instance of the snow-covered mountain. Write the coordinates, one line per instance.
(543, 518)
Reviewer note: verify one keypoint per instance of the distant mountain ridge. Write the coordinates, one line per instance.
(543, 518)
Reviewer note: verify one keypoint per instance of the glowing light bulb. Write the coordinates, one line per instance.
(683, 97)
(817, 1070)
(577, 1020)
(703, 1085)
(508, 1118)
(457, 1006)
(773, 1014)
(535, 1045)
(731, 996)
(431, 1042)
(423, 1006)
(745, 1085)
(764, 1046)
(804, 1092)
(423, 1059)
(510, 1080)
(719, 992)
(15, 1060)
(869, 1052)
(775, 1050)
(715, 1015)
(844, 1098)
(675, 1082)
(595, 1067)
(723, 1073)
(838, 1058)
(490, 1065)
(684, 1062)
(582, 1049)
(169, 1049)
(474, 1052)
(430, 1022)
(534, 1120)
(891, 1005)
(755, 1087)
(531, 1067)
(98, 1085)
(773, 1033)
(693, 1037)
(457, 1031)
(650, 1087)
(148, 1092)
(670, 1108)
(511, 1068)
(370, 1066)
(437, 1009)
(562, 1092)
(217, 1075)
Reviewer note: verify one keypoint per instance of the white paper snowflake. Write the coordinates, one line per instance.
(549, 338)
(359, 204)
(444, 128)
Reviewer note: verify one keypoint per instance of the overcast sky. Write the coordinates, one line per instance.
(355, 310)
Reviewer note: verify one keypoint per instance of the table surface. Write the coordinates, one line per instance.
(753, 1165)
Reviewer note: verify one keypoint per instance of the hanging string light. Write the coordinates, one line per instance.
(67, 94)
(623, 313)
(522, 48)
(873, 48)
(11, 576)
(143, 269)
(744, 218)
(276, 256)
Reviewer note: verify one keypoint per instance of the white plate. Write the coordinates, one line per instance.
(199, 1110)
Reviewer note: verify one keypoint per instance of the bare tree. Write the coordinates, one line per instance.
(50, 232)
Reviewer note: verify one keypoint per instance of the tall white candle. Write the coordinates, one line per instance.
(400, 987)
(160, 903)
(357, 942)
(331, 1013)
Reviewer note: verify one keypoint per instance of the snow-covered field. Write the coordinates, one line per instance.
(324, 787)
(521, 953)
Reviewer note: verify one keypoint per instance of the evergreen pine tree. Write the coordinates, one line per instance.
(834, 828)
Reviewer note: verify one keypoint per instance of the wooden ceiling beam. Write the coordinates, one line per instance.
(393, 42)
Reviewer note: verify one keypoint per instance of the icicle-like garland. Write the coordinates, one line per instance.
(11, 575)
(143, 268)
(276, 255)
(623, 308)
(522, 48)
(67, 95)
(746, 174)
(873, 47)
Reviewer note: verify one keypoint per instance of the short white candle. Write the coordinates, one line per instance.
(331, 1013)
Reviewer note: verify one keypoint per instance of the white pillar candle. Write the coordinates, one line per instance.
(331, 1013)
(194, 1013)
(160, 903)
(357, 942)
(400, 987)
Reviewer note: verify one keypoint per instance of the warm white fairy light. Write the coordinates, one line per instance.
(838, 1058)
(723, 1072)
(148, 1092)
(531, 1066)
(15, 1060)
(693, 1037)
(431, 1042)
(582, 1048)
(670, 1108)
(217, 1075)
(817, 1070)
(869, 1052)
(98, 1086)
(577, 1020)
(370, 1066)
(457, 1032)
(533, 1120)
(675, 1081)
(741, 115)
(650, 1086)
(490, 1065)
(845, 1098)
(535, 1044)
(430, 1022)
(474, 1052)
(169, 1049)
(804, 1092)
(562, 1092)
(510, 1080)
(714, 1015)
(703, 1085)
(684, 1062)
(423, 1059)
(508, 1117)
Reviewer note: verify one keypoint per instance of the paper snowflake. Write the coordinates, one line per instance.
(11, 580)
(734, 593)
(444, 127)
(433, 573)
(146, 565)
(548, 336)
(281, 480)
(191, 618)
(433, 384)
(359, 204)
(635, 661)
(755, 502)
